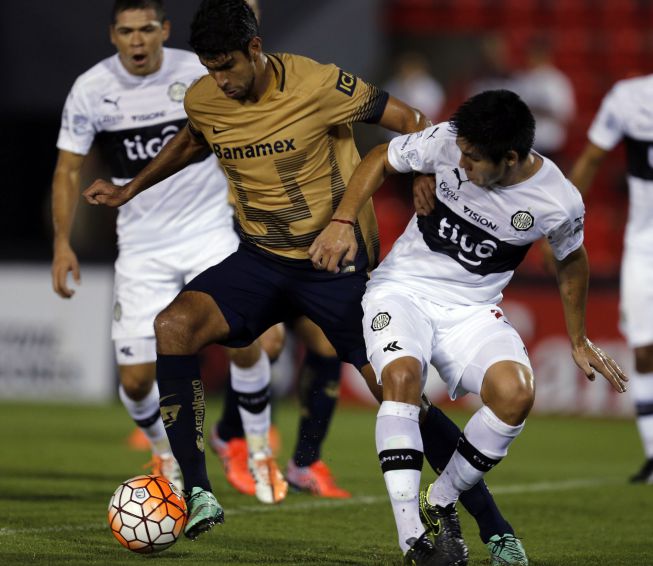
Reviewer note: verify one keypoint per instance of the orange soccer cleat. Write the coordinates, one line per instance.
(233, 454)
(137, 440)
(316, 479)
(271, 487)
(165, 465)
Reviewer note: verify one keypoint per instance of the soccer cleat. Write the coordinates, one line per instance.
(422, 552)
(645, 474)
(506, 550)
(270, 485)
(316, 479)
(138, 440)
(204, 512)
(165, 465)
(233, 454)
(444, 526)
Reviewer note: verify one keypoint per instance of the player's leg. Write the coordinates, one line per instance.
(250, 380)
(227, 435)
(636, 305)
(641, 380)
(139, 394)
(319, 388)
(496, 367)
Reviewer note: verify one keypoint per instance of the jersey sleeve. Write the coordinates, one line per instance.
(418, 151)
(77, 130)
(607, 128)
(344, 98)
(566, 232)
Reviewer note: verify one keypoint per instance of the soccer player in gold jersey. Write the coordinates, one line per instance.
(281, 126)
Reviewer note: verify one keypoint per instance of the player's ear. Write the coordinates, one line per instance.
(255, 47)
(511, 158)
(165, 29)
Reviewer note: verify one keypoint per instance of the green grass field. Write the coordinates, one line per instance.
(563, 488)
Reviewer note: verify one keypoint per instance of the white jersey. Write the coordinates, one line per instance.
(626, 113)
(131, 117)
(466, 250)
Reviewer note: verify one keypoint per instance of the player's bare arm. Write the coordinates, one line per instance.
(586, 166)
(336, 245)
(399, 117)
(424, 194)
(573, 276)
(180, 151)
(65, 194)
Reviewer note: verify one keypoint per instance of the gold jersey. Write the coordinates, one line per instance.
(289, 156)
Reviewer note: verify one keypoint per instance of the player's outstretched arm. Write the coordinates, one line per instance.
(180, 151)
(65, 194)
(573, 275)
(586, 166)
(336, 245)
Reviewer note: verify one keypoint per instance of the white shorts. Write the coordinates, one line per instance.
(460, 342)
(146, 283)
(636, 302)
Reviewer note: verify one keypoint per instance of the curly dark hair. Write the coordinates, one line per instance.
(122, 5)
(495, 122)
(221, 26)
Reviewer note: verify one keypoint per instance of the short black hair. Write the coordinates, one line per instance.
(495, 122)
(221, 26)
(122, 5)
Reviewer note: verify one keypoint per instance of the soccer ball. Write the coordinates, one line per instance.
(147, 514)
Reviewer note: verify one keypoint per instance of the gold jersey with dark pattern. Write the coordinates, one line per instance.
(289, 156)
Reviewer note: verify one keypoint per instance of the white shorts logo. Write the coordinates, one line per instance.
(380, 321)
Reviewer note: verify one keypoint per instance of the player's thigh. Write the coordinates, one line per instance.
(143, 286)
(395, 327)
(248, 291)
(636, 302)
(475, 343)
(272, 341)
(313, 337)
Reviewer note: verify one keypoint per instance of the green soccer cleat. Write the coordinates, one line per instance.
(204, 512)
(506, 550)
(422, 552)
(443, 525)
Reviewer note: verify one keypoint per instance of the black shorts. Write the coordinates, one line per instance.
(255, 290)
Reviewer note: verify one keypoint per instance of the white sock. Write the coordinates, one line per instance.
(401, 452)
(252, 387)
(485, 442)
(641, 387)
(147, 416)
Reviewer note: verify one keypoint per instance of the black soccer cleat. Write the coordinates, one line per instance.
(422, 552)
(645, 474)
(443, 525)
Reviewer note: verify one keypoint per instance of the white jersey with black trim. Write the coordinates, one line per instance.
(627, 113)
(130, 118)
(466, 250)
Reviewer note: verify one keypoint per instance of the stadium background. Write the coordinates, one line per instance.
(51, 348)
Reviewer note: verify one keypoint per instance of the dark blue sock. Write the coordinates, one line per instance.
(440, 437)
(230, 424)
(318, 395)
(182, 409)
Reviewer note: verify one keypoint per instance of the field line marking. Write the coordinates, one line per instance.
(312, 504)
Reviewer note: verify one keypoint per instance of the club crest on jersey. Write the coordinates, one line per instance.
(380, 321)
(522, 220)
(117, 311)
(346, 83)
(177, 91)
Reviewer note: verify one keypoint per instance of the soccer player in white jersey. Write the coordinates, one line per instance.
(626, 113)
(131, 104)
(434, 298)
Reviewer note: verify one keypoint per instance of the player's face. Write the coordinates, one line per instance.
(479, 169)
(233, 72)
(139, 36)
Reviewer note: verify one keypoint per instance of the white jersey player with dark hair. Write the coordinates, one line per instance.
(626, 114)
(130, 105)
(434, 300)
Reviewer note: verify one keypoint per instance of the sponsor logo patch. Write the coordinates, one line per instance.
(346, 83)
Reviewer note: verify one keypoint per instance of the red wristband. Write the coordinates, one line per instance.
(340, 221)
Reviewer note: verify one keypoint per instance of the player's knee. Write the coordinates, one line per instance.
(402, 381)
(509, 392)
(172, 326)
(247, 356)
(137, 380)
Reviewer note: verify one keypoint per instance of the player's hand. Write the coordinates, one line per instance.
(589, 357)
(64, 262)
(336, 246)
(424, 194)
(103, 192)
